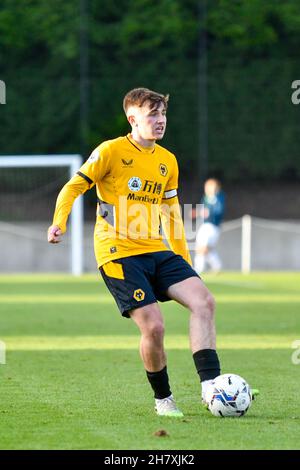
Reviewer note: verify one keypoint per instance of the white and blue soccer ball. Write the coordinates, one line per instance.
(228, 395)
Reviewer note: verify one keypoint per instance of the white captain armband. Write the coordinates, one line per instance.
(169, 194)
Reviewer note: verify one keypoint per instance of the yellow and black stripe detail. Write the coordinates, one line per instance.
(86, 178)
(113, 269)
(136, 146)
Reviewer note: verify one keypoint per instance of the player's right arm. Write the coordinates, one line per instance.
(93, 170)
(65, 200)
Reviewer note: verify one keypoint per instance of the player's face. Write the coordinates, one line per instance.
(150, 124)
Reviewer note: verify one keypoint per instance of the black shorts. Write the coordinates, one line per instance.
(136, 281)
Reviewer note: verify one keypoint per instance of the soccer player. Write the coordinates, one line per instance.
(136, 181)
(209, 232)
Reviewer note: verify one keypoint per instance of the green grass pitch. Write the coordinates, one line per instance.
(73, 378)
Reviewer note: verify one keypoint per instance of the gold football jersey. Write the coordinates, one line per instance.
(136, 195)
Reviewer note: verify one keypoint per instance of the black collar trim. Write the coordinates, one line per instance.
(133, 144)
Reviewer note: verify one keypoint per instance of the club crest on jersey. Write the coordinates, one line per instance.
(163, 169)
(135, 183)
(139, 295)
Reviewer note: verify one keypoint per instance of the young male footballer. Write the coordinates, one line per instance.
(136, 181)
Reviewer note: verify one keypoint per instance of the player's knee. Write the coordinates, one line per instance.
(210, 303)
(204, 305)
(156, 330)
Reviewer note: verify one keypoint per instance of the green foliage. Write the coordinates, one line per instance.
(253, 130)
(255, 26)
(251, 62)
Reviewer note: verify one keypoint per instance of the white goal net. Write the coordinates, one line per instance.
(29, 186)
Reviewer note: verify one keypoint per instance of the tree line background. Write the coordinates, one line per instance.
(228, 66)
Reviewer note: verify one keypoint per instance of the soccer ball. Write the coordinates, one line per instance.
(228, 395)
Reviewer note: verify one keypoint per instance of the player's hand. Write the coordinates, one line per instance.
(54, 234)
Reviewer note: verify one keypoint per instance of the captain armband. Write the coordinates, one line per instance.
(169, 194)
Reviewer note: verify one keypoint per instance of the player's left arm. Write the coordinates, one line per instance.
(171, 218)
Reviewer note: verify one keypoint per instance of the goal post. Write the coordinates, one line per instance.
(73, 162)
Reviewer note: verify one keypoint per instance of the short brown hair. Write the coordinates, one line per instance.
(138, 96)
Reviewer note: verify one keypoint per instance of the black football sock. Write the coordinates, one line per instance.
(207, 364)
(159, 382)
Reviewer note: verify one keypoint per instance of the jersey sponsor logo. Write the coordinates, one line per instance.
(135, 183)
(113, 249)
(163, 169)
(127, 163)
(94, 156)
(139, 295)
(152, 187)
(146, 198)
